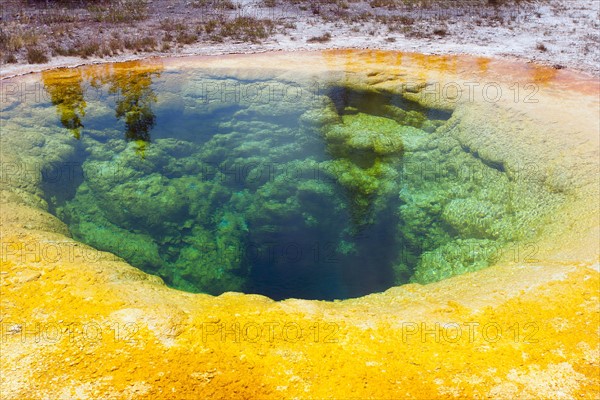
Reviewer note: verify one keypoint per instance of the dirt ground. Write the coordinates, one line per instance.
(36, 35)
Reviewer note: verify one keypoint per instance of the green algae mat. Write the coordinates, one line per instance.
(255, 180)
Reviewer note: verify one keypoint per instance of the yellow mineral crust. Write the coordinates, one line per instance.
(78, 323)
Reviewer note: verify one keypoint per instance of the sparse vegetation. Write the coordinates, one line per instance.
(186, 37)
(170, 25)
(139, 44)
(211, 26)
(101, 28)
(35, 55)
(326, 37)
(89, 48)
(120, 11)
(215, 4)
(115, 44)
(10, 59)
(440, 32)
(390, 4)
(247, 29)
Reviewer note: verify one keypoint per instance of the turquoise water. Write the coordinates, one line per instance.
(257, 183)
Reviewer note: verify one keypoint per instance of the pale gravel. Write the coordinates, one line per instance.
(570, 30)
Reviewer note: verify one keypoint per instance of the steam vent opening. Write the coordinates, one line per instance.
(255, 183)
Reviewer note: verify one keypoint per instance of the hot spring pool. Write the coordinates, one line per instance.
(313, 186)
(451, 202)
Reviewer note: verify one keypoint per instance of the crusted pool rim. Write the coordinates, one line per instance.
(371, 346)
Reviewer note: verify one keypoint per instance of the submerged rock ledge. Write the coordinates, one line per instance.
(78, 323)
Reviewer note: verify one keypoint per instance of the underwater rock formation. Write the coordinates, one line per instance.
(223, 189)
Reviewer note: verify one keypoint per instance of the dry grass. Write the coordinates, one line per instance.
(100, 28)
(35, 55)
(215, 5)
(119, 11)
(389, 4)
(246, 29)
(89, 48)
(171, 24)
(140, 44)
(57, 16)
(186, 37)
(326, 37)
(10, 59)
(440, 32)
(15, 38)
(95, 47)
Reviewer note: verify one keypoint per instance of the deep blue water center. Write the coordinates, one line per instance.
(263, 185)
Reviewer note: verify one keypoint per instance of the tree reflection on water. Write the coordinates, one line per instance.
(129, 83)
